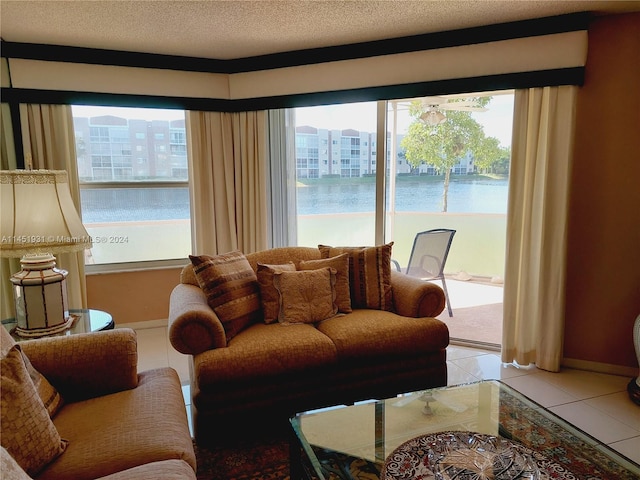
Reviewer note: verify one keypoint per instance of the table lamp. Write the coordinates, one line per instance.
(37, 219)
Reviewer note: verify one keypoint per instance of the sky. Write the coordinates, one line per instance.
(497, 120)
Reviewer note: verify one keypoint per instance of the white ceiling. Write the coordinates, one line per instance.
(226, 29)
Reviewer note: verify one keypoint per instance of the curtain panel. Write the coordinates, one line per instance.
(281, 188)
(537, 218)
(49, 143)
(228, 176)
(7, 265)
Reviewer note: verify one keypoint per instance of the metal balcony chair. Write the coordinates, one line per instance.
(428, 257)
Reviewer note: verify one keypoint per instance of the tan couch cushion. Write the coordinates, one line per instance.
(374, 333)
(124, 430)
(306, 296)
(341, 265)
(262, 351)
(28, 433)
(269, 296)
(165, 470)
(231, 287)
(369, 274)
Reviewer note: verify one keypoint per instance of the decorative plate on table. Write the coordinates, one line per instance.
(468, 456)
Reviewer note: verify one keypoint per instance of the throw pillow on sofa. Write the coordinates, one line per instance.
(28, 433)
(269, 296)
(369, 274)
(341, 264)
(49, 395)
(231, 288)
(306, 296)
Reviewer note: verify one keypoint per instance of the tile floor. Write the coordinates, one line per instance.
(595, 402)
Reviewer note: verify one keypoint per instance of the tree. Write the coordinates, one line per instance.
(444, 145)
(488, 154)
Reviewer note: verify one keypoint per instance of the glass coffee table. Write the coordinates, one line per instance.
(486, 419)
(85, 320)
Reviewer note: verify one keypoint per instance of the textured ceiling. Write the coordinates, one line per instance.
(235, 29)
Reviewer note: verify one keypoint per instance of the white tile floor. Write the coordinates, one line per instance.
(595, 402)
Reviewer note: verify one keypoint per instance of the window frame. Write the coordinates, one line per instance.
(137, 184)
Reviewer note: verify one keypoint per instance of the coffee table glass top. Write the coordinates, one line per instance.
(336, 442)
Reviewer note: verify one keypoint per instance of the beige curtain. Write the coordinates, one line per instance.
(49, 142)
(227, 165)
(534, 293)
(8, 162)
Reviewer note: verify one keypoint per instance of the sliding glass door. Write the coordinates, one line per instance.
(336, 164)
(449, 168)
(445, 164)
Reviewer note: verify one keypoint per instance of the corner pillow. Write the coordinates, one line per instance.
(341, 266)
(369, 274)
(28, 433)
(51, 398)
(269, 296)
(306, 296)
(231, 288)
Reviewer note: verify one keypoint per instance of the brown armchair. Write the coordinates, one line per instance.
(118, 423)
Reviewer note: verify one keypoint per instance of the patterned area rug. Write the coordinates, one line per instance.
(244, 460)
(268, 458)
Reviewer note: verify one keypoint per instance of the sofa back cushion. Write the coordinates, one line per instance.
(369, 274)
(274, 256)
(281, 255)
(231, 288)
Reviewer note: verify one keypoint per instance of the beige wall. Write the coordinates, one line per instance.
(603, 289)
(133, 296)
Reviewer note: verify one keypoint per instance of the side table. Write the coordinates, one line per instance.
(86, 320)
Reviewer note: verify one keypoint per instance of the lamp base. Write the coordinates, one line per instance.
(40, 293)
(43, 332)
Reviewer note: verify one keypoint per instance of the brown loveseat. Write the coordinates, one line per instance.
(113, 423)
(270, 371)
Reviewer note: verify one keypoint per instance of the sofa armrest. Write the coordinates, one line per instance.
(193, 325)
(87, 365)
(413, 297)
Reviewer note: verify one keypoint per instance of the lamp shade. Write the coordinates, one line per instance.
(38, 214)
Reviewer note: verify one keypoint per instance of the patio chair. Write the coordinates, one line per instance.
(428, 257)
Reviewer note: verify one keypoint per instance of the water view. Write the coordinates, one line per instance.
(478, 195)
(466, 195)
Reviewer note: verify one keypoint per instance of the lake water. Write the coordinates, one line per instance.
(465, 196)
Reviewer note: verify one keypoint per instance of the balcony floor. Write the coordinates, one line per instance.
(477, 312)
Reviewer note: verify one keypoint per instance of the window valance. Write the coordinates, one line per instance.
(493, 57)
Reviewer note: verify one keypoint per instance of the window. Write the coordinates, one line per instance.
(335, 202)
(135, 209)
(474, 189)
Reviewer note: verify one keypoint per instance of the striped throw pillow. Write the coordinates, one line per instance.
(231, 288)
(369, 274)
